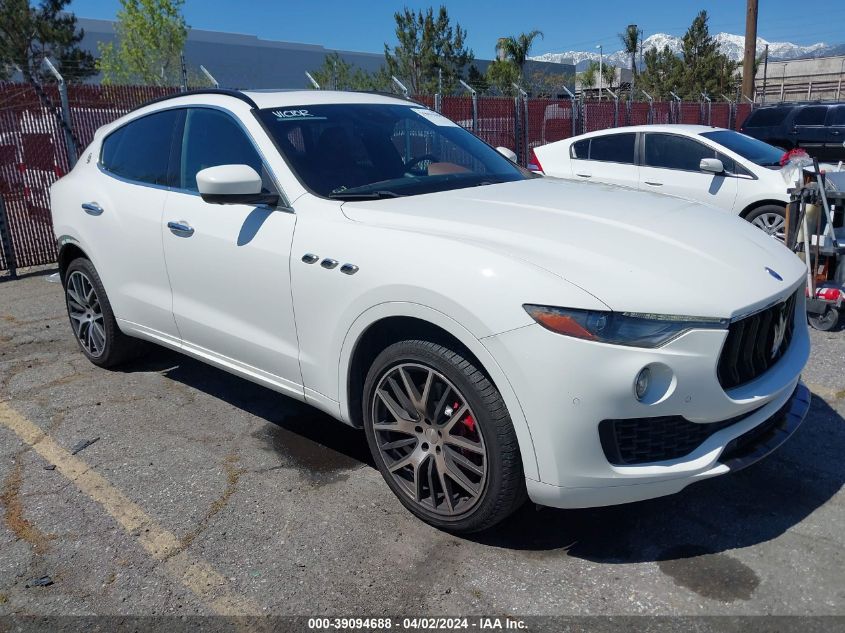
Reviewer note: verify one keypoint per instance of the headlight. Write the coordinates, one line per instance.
(620, 328)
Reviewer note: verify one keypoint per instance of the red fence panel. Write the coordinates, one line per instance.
(496, 117)
(720, 114)
(742, 112)
(459, 109)
(690, 113)
(549, 120)
(599, 115)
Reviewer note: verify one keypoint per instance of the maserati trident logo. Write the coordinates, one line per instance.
(780, 333)
(774, 274)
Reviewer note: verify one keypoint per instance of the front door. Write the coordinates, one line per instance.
(670, 166)
(229, 264)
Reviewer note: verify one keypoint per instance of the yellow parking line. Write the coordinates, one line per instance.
(194, 573)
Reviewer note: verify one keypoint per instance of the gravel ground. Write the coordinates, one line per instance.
(206, 494)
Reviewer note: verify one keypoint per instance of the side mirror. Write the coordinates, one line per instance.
(232, 184)
(711, 165)
(507, 153)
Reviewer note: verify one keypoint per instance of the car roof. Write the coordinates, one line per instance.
(682, 128)
(285, 98)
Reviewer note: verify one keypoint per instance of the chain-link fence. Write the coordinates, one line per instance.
(35, 140)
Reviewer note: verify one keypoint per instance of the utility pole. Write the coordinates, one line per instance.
(750, 49)
(633, 64)
(765, 72)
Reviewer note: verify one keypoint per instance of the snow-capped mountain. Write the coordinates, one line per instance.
(732, 45)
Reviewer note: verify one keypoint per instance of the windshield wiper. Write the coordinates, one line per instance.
(365, 195)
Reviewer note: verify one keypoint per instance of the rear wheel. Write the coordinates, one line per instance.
(91, 317)
(770, 218)
(442, 437)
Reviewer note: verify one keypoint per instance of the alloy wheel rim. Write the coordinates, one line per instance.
(86, 314)
(771, 223)
(429, 439)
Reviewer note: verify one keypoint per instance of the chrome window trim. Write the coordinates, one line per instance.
(284, 204)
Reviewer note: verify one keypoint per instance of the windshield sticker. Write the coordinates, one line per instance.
(296, 115)
(434, 117)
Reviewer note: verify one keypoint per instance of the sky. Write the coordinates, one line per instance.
(566, 25)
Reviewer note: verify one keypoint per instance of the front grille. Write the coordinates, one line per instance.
(645, 440)
(756, 342)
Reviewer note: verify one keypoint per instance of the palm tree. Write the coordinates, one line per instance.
(630, 42)
(516, 48)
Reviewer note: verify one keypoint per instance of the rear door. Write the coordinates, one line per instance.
(670, 165)
(808, 129)
(610, 158)
(124, 213)
(835, 141)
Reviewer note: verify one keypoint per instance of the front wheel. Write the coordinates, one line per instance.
(442, 437)
(769, 218)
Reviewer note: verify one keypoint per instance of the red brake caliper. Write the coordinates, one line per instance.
(468, 422)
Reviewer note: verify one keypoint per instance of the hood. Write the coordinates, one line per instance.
(635, 251)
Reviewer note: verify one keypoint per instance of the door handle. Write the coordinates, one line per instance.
(92, 208)
(181, 228)
(654, 184)
(584, 175)
(835, 132)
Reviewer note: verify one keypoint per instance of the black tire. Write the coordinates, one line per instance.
(116, 347)
(504, 484)
(768, 210)
(826, 321)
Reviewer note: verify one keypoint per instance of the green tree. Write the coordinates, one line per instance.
(338, 74)
(517, 48)
(702, 67)
(547, 85)
(589, 77)
(608, 74)
(502, 74)
(150, 37)
(29, 34)
(630, 39)
(663, 72)
(427, 45)
(477, 79)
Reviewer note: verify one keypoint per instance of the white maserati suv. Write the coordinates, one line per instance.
(498, 335)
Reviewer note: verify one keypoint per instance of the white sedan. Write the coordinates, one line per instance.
(715, 166)
(496, 334)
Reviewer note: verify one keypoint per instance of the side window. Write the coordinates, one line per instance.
(675, 152)
(811, 115)
(614, 148)
(213, 138)
(836, 116)
(580, 149)
(140, 150)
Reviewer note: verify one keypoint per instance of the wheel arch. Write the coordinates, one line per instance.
(68, 251)
(385, 324)
(761, 203)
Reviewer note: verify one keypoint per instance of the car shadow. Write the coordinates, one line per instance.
(728, 512)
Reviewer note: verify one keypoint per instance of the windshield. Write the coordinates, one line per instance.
(756, 151)
(363, 151)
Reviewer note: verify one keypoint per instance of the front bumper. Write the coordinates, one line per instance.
(567, 386)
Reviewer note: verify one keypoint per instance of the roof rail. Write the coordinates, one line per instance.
(237, 94)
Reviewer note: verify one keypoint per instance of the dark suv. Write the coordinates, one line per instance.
(816, 127)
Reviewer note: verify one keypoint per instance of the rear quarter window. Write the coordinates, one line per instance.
(580, 149)
(765, 117)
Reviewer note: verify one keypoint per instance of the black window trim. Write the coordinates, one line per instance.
(589, 140)
(283, 204)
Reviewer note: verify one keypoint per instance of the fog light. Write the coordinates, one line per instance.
(641, 384)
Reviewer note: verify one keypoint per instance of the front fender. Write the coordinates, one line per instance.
(435, 317)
